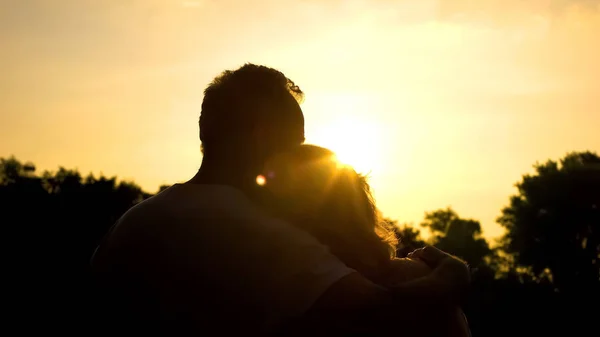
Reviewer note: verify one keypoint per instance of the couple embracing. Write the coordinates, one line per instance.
(303, 252)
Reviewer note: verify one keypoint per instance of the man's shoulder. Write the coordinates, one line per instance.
(218, 213)
(183, 200)
(185, 212)
(193, 207)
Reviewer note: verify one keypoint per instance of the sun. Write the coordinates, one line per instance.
(356, 142)
(344, 123)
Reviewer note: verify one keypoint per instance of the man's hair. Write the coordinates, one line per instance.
(237, 101)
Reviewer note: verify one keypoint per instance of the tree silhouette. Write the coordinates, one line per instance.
(553, 223)
(11, 170)
(460, 237)
(58, 219)
(409, 237)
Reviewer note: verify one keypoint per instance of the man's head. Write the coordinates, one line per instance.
(250, 113)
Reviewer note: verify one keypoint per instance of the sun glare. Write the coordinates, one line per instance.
(343, 124)
(261, 180)
(355, 142)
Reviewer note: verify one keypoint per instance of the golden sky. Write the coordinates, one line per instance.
(458, 98)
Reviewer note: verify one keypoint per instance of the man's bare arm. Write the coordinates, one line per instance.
(354, 305)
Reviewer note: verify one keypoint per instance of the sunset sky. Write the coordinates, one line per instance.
(454, 100)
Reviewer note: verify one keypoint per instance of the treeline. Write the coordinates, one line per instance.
(542, 277)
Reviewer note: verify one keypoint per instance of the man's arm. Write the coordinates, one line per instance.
(355, 305)
(285, 272)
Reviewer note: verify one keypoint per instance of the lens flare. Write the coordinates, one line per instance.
(261, 180)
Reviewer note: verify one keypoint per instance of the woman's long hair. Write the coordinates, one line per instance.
(334, 203)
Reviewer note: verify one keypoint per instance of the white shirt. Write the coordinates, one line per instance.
(204, 258)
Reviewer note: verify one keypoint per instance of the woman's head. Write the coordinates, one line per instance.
(311, 189)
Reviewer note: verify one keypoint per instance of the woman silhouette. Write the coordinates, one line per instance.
(309, 188)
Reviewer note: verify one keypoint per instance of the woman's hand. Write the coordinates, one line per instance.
(451, 273)
(405, 269)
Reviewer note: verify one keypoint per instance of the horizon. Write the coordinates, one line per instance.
(466, 102)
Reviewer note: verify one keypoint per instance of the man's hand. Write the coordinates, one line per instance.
(452, 273)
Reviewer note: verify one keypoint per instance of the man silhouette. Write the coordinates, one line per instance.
(200, 258)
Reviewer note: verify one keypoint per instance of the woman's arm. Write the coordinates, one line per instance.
(404, 270)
